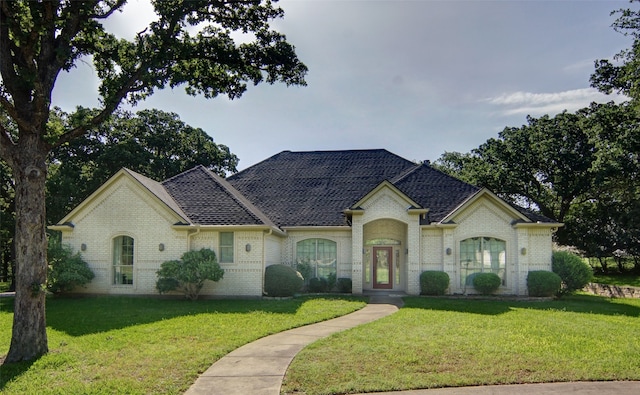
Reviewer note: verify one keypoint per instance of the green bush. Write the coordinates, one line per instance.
(433, 282)
(573, 271)
(345, 285)
(305, 269)
(282, 280)
(318, 284)
(543, 283)
(331, 281)
(188, 274)
(66, 270)
(486, 283)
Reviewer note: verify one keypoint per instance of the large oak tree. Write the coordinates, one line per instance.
(189, 43)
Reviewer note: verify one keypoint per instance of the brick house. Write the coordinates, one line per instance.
(368, 215)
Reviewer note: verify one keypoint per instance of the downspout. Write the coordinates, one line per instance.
(264, 255)
(192, 234)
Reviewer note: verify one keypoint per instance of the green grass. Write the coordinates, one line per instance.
(123, 345)
(439, 342)
(618, 279)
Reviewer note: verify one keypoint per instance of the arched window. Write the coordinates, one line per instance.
(482, 255)
(320, 254)
(123, 260)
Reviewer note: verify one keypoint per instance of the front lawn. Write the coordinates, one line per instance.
(630, 280)
(124, 345)
(439, 342)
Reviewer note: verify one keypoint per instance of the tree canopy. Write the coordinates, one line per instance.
(190, 43)
(151, 142)
(580, 168)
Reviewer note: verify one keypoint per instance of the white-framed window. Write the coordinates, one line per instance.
(482, 255)
(123, 260)
(320, 254)
(226, 247)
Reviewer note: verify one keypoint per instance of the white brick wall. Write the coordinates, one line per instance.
(125, 208)
(486, 218)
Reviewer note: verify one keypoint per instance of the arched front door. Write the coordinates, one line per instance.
(382, 267)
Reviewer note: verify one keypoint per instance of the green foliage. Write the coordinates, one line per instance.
(188, 274)
(486, 283)
(305, 269)
(43, 39)
(282, 281)
(543, 283)
(344, 284)
(494, 342)
(318, 284)
(91, 335)
(331, 281)
(66, 270)
(573, 271)
(433, 282)
(151, 142)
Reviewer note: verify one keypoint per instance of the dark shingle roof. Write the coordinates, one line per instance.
(159, 191)
(435, 190)
(314, 188)
(207, 199)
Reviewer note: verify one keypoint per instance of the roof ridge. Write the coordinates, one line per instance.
(405, 173)
(154, 187)
(239, 197)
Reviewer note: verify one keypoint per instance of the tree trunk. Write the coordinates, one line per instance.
(29, 337)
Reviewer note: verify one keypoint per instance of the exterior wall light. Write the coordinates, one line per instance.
(161, 247)
(523, 251)
(83, 247)
(247, 247)
(448, 251)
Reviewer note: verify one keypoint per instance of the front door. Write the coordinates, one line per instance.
(382, 267)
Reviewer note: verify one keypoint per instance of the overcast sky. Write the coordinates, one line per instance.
(417, 78)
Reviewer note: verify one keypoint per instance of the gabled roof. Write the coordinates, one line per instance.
(154, 188)
(207, 199)
(435, 190)
(313, 188)
(157, 190)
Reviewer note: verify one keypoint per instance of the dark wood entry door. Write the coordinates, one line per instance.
(382, 267)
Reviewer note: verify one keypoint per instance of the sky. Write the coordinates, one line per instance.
(418, 78)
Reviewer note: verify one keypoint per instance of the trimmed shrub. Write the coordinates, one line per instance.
(543, 283)
(331, 281)
(188, 274)
(282, 280)
(66, 270)
(318, 284)
(305, 269)
(345, 285)
(486, 283)
(433, 282)
(573, 271)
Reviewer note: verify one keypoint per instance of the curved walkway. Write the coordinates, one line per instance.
(258, 368)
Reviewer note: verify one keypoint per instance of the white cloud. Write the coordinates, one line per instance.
(528, 103)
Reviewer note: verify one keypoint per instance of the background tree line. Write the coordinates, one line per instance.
(579, 168)
(154, 143)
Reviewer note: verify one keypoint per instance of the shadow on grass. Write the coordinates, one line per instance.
(78, 316)
(590, 304)
(10, 371)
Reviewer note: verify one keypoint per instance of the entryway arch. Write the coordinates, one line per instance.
(384, 255)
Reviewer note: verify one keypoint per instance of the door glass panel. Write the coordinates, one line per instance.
(382, 267)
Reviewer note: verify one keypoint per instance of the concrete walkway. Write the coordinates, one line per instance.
(258, 368)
